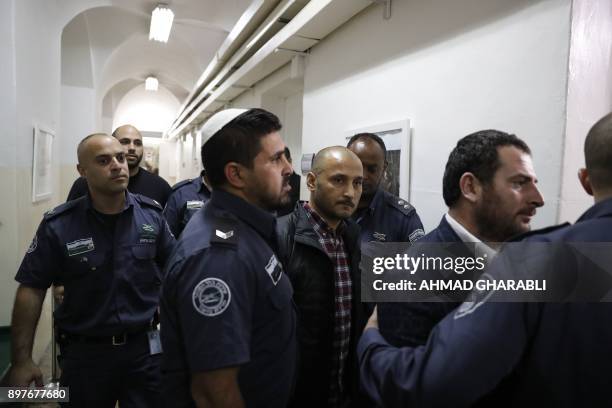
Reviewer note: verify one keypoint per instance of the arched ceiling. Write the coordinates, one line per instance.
(106, 46)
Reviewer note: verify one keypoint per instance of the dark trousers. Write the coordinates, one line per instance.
(99, 375)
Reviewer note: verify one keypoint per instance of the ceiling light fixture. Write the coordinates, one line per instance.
(151, 83)
(161, 23)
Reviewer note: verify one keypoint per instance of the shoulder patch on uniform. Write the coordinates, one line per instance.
(274, 269)
(416, 235)
(194, 204)
(211, 297)
(475, 299)
(181, 184)
(400, 204)
(225, 231)
(60, 209)
(148, 201)
(540, 231)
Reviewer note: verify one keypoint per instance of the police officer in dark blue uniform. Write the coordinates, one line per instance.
(187, 197)
(108, 249)
(382, 216)
(512, 354)
(228, 321)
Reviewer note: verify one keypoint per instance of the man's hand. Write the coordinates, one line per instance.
(22, 374)
(373, 320)
(58, 294)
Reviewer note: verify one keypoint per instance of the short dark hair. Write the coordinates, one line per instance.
(238, 141)
(598, 153)
(476, 153)
(368, 136)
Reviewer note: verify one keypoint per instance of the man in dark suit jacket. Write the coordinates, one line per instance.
(490, 188)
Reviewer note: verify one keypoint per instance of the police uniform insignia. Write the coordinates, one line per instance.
(379, 236)
(211, 297)
(475, 299)
(416, 234)
(274, 269)
(148, 234)
(224, 235)
(80, 246)
(194, 205)
(33, 245)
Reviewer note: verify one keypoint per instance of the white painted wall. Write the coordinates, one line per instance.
(8, 161)
(167, 161)
(451, 68)
(147, 110)
(30, 52)
(78, 118)
(589, 95)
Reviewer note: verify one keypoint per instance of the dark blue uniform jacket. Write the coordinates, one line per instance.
(389, 219)
(227, 302)
(111, 277)
(187, 197)
(504, 354)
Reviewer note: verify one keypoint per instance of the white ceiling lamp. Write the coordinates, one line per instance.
(161, 23)
(151, 83)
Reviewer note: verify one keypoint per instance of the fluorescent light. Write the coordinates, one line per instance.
(151, 83)
(161, 23)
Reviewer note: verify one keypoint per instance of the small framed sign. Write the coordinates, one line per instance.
(42, 180)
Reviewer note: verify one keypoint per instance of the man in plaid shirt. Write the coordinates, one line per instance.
(319, 248)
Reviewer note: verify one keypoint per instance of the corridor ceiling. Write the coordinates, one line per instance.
(105, 44)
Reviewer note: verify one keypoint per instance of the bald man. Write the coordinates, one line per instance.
(141, 181)
(108, 248)
(319, 247)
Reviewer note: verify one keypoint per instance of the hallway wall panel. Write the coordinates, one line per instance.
(451, 68)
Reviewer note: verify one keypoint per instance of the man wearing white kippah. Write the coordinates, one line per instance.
(228, 321)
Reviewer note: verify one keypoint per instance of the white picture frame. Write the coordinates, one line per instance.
(42, 159)
(397, 138)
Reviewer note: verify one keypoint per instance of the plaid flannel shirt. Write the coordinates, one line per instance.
(334, 247)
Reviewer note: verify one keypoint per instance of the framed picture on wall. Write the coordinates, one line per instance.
(396, 136)
(42, 182)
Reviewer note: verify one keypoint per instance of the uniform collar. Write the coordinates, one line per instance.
(601, 209)
(376, 200)
(359, 214)
(262, 221)
(199, 184)
(129, 201)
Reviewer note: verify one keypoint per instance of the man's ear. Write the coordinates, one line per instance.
(234, 174)
(585, 180)
(311, 181)
(81, 170)
(471, 188)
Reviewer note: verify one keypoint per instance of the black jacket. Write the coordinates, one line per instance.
(312, 276)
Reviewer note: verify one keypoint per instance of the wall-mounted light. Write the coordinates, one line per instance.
(161, 23)
(151, 83)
